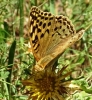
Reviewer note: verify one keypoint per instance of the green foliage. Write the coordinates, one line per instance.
(16, 62)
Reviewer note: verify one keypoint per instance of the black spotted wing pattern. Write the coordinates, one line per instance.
(47, 31)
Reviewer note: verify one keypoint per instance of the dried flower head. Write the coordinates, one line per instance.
(48, 85)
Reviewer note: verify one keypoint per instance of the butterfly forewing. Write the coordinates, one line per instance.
(63, 29)
(40, 27)
(46, 31)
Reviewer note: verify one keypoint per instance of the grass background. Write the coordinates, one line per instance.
(15, 59)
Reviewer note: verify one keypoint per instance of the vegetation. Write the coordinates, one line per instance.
(16, 58)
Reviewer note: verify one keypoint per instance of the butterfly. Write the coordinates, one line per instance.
(50, 35)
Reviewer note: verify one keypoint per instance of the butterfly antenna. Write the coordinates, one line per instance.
(88, 27)
(43, 3)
